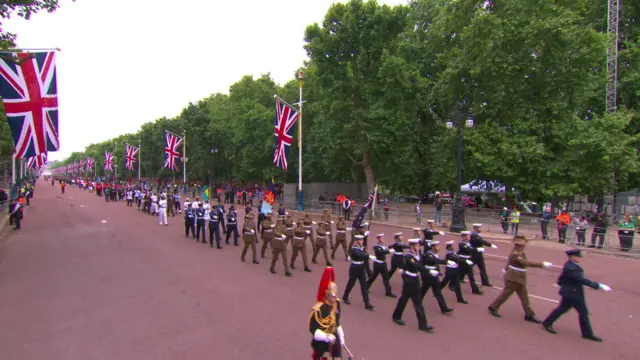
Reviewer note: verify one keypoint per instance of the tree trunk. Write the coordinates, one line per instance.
(368, 171)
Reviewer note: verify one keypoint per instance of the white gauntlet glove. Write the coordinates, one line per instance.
(434, 273)
(253, 231)
(441, 232)
(470, 262)
(340, 332)
(604, 287)
(372, 257)
(331, 338)
(366, 233)
(546, 264)
(451, 263)
(391, 251)
(332, 222)
(308, 232)
(494, 247)
(348, 258)
(480, 250)
(314, 223)
(401, 271)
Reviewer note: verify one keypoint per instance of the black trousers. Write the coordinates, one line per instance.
(396, 262)
(232, 229)
(452, 279)
(478, 259)
(382, 270)
(200, 229)
(600, 241)
(581, 235)
(410, 290)
(357, 273)
(189, 226)
(467, 270)
(260, 220)
(214, 229)
(543, 227)
(626, 239)
(432, 282)
(566, 305)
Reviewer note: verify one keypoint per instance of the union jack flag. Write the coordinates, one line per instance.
(29, 92)
(130, 156)
(285, 119)
(173, 142)
(108, 160)
(36, 162)
(81, 164)
(89, 163)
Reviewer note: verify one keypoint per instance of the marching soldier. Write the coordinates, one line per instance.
(515, 280)
(200, 224)
(214, 227)
(279, 248)
(266, 233)
(162, 210)
(171, 206)
(380, 266)
(189, 215)
(308, 225)
(290, 227)
(411, 287)
(249, 237)
(299, 245)
(324, 231)
(429, 233)
(357, 273)
(232, 226)
(326, 217)
(478, 244)
(465, 251)
(365, 235)
(451, 275)
(572, 282)
(341, 238)
(324, 320)
(431, 261)
(397, 251)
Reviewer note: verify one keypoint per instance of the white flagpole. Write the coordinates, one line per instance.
(375, 199)
(139, 159)
(13, 173)
(301, 78)
(184, 160)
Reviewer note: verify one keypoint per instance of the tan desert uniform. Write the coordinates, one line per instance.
(341, 237)
(326, 217)
(279, 248)
(299, 245)
(308, 225)
(249, 237)
(515, 279)
(266, 233)
(290, 229)
(322, 243)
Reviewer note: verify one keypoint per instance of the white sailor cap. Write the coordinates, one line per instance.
(435, 242)
(359, 237)
(416, 229)
(414, 241)
(286, 213)
(397, 234)
(465, 232)
(430, 221)
(477, 225)
(380, 235)
(450, 242)
(505, 208)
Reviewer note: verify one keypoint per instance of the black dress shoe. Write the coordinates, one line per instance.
(346, 301)
(532, 319)
(369, 307)
(288, 274)
(427, 328)
(307, 269)
(273, 271)
(592, 338)
(487, 285)
(477, 292)
(549, 329)
(463, 301)
(391, 295)
(399, 322)
(493, 312)
(447, 310)
(255, 262)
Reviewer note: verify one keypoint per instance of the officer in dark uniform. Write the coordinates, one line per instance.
(357, 273)
(397, 251)
(200, 224)
(232, 226)
(451, 275)
(478, 244)
(411, 287)
(572, 282)
(361, 229)
(189, 216)
(429, 234)
(431, 261)
(214, 227)
(465, 251)
(221, 211)
(380, 265)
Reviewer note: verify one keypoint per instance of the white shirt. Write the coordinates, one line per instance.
(162, 204)
(207, 208)
(154, 198)
(195, 205)
(129, 195)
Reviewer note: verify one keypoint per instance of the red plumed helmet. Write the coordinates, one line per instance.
(327, 282)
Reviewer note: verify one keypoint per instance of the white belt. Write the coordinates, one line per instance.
(398, 254)
(320, 237)
(357, 262)
(465, 256)
(290, 228)
(268, 230)
(432, 267)
(307, 226)
(410, 273)
(248, 233)
(378, 261)
(298, 238)
(454, 266)
(341, 231)
(517, 268)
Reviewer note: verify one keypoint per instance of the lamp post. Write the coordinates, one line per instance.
(212, 172)
(457, 220)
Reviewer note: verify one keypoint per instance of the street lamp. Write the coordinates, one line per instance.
(212, 173)
(457, 221)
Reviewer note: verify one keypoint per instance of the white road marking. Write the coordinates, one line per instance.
(530, 295)
(104, 221)
(82, 205)
(70, 197)
(506, 257)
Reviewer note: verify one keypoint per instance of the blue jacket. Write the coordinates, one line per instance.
(572, 282)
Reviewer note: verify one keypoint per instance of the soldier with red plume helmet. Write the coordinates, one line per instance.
(324, 321)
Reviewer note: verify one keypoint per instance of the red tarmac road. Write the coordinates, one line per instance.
(85, 279)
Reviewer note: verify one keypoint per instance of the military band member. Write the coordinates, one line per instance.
(214, 228)
(189, 215)
(200, 224)
(279, 248)
(357, 273)
(232, 226)
(323, 233)
(324, 320)
(515, 280)
(341, 238)
(478, 244)
(298, 246)
(411, 287)
(308, 225)
(430, 277)
(266, 233)
(451, 275)
(326, 217)
(572, 283)
(249, 238)
(162, 210)
(397, 253)
(465, 251)
(379, 259)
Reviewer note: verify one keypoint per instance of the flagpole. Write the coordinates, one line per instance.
(139, 159)
(13, 174)
(301, 78)
(30, 49)
(184, 160)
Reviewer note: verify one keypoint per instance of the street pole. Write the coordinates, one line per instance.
(13, 175)
(301, 78)
(457, 221)
(139, 159)
(184, 160)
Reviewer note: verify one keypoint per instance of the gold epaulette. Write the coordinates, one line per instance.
(317, 306)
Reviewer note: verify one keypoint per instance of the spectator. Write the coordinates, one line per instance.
(581, 229)
(438, 205)
(626, 230)
(546, 217)
(599, 231)
(564, 219)
(515, 220)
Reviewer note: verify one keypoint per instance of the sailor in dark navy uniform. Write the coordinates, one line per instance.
(429, 234)
(214, 227)
(430, 277)
(397, 253)
(380, 265)
(200, 228)
(232, 226)
(466, 251)
(357, 272)
(411, 287)
(189, 217)
(451, 275)
(479, 244)
(572, 283)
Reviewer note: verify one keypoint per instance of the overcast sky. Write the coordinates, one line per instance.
(127, 62)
